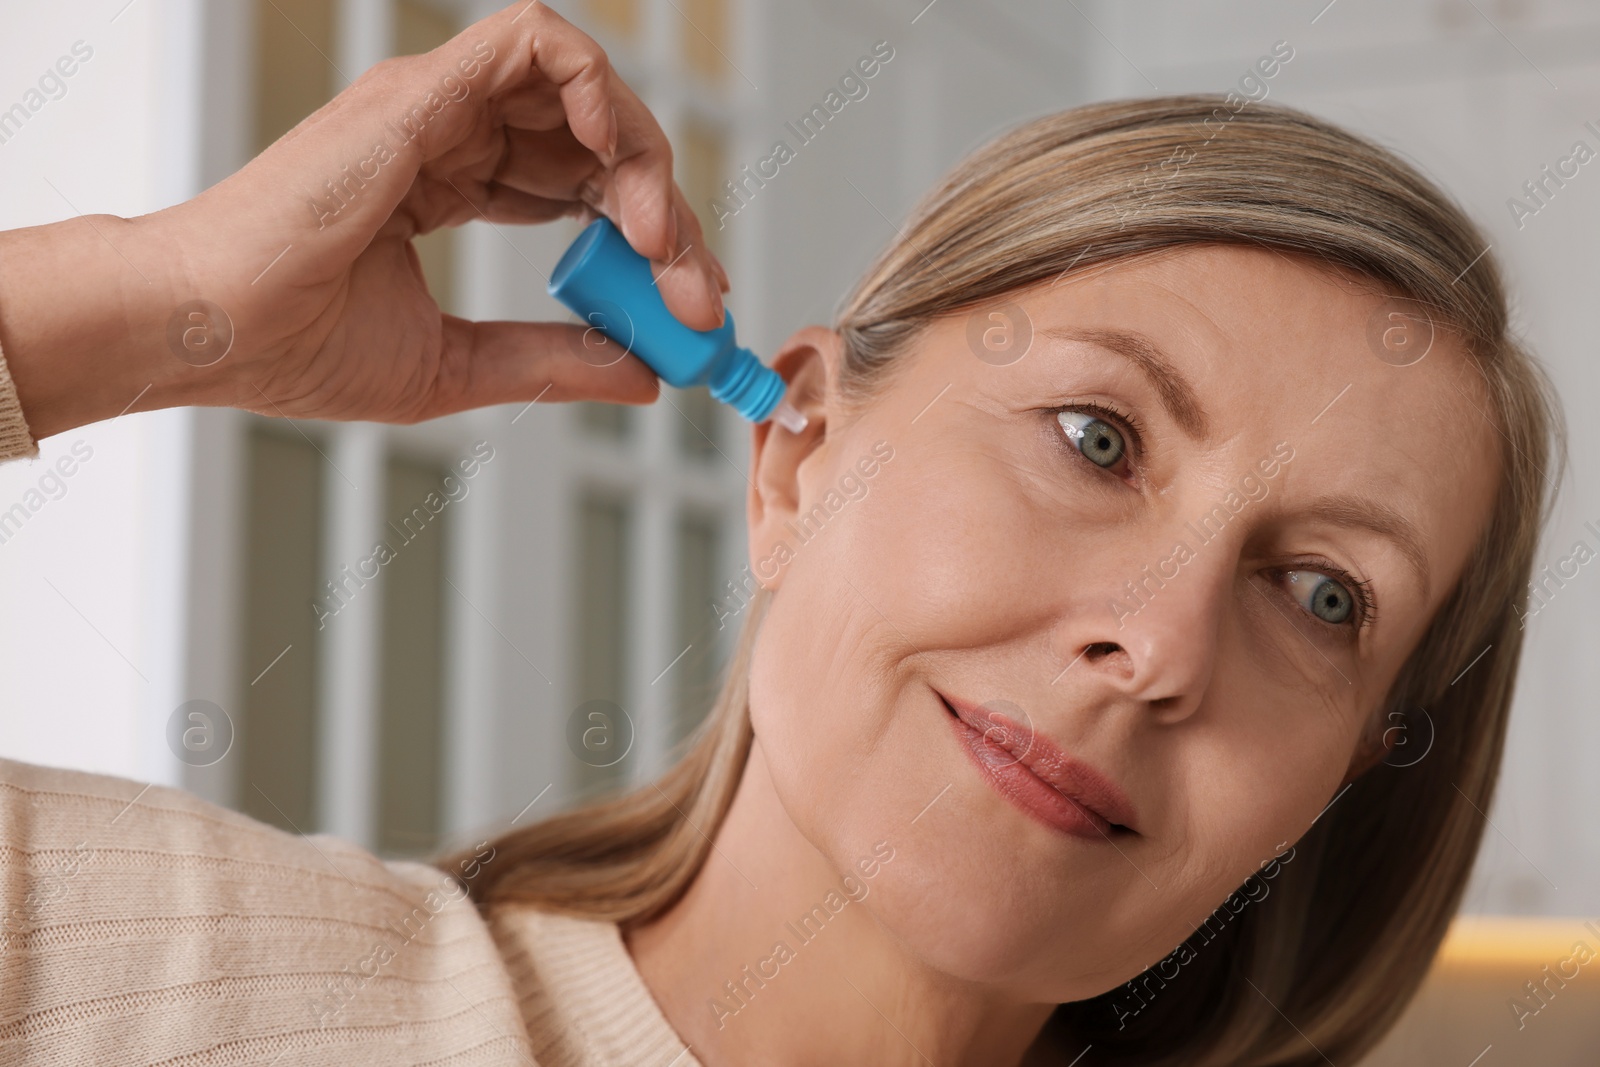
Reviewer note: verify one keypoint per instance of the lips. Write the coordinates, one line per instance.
(1033, 773)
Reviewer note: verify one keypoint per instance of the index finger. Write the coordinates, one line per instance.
(605, 116)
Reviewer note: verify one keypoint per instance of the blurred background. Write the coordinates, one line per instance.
(193, 604)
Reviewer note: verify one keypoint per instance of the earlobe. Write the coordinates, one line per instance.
(809, 363)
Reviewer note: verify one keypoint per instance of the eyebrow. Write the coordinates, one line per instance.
(1367, 514)
(1177, 396)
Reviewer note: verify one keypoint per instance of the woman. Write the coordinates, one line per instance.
(1154, 489)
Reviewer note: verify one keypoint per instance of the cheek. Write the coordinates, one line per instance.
(938, 556)
(948, 549)
(924, 560)
(1247, 783)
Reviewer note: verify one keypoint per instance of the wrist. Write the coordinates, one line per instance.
(85, 306)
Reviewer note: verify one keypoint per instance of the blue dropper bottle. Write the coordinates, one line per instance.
(611, 288)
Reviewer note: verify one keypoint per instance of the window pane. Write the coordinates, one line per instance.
(602, 630)
(606, 420)
(294, 69)
(418, 28)
(437, 253)
(697, 672)
(699, 422)
(421, 27)
(705, 37)
(619, 16)
(702, 170)
(411, 689)
(283, 536)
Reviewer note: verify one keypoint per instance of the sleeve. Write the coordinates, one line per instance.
(15, 440)
(142, 924)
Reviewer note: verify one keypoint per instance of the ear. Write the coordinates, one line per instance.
(809, 363)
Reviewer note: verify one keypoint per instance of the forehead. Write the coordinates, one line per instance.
(1275, 348)
(1278, 338)
(1230, 312)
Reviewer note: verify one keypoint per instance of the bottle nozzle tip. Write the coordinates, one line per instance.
(789, 417)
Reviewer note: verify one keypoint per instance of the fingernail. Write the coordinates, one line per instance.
(708, 289)
(611, 138)
(722, 309)
(672, 235)
(709, 271)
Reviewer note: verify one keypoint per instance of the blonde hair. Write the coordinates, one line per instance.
(1351, 924)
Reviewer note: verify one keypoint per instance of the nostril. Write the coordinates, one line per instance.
(1101, 649)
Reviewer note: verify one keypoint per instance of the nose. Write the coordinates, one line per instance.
(1154, 641)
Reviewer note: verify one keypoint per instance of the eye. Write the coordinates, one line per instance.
(1100, 442)
(1329, 599)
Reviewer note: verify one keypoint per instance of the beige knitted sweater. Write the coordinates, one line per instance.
(142, 925)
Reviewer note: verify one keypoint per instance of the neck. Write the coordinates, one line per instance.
(767, 959)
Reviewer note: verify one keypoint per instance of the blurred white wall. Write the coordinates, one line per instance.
(91, 641)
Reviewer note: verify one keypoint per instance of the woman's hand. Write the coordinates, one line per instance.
(304, 259)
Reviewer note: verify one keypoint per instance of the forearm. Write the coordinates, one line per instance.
(84, 312)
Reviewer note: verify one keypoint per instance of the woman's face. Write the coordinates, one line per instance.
(1165, 564)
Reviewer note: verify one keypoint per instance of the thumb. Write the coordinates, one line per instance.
(484, 363)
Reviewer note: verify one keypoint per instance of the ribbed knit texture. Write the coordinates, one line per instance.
(143, 925)
(15, 440)
(581, 997)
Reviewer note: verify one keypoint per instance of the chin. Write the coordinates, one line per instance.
(963, 925)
